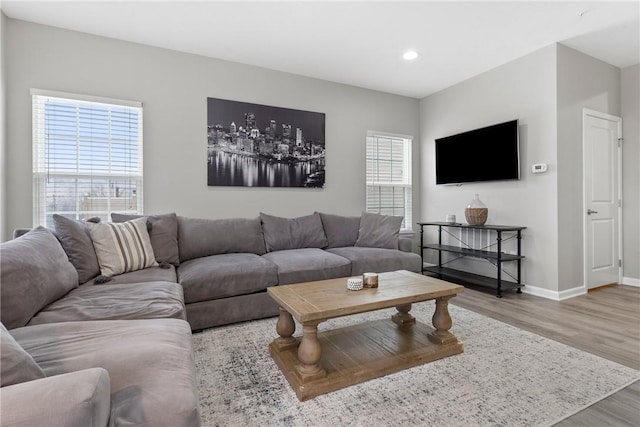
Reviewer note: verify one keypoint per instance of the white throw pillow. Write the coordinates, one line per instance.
(122, 247)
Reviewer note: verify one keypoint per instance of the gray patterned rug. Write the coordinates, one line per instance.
(505, 377)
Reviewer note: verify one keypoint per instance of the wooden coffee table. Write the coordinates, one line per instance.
(320, 363)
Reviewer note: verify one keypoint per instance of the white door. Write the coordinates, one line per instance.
(602, 197)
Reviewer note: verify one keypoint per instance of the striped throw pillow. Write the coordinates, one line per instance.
(122, 247)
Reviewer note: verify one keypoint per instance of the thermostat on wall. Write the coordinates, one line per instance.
(539, 168)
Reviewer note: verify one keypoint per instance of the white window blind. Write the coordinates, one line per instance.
(389, 176)
(87, 157)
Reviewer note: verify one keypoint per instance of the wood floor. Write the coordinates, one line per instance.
(605, 322)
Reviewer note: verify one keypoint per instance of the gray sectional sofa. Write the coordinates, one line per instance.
(90, 355)
(115, 349)
(226, 265)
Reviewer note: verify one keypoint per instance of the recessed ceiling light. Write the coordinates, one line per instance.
(410, 55)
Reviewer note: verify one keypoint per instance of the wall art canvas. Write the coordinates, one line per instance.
(252, 145)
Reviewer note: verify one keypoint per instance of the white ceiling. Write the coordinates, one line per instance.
(358, 43)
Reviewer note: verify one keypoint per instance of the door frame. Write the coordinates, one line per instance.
(598, 114)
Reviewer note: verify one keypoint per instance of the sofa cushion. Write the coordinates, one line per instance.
(341, 230)
(308, 265)
(149, 300)
(293, 233)
(34, 272)
(203, 237)
(163, 235)
(76, 242)
(225, 275)
(223, 311)
(379, 231)
(150, 364)
(16, 365)
(378, 260)
(122, 247)
(151, 274)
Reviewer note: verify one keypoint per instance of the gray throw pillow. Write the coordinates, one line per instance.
(34, 272)
(16, 365)
(341, 231)
(199, 237)
(76, 242)
(293, 233)
(163, 235)
(379, 231)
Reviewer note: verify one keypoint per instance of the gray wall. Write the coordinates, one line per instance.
(631, 171)
(547, 91)
(174, 87)
(583, 82)
(3, 111)
(523, 89)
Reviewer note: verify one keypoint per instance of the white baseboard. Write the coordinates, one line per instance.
(630, 281)
(570, 293)
(573, 292)
(554, 295)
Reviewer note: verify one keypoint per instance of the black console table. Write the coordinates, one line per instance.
(495, 255)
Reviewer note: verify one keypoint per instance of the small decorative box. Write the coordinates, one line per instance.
(354, 283)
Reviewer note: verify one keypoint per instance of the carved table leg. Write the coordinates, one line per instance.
(402, 317)
(309, 353)
(442, 322)
(285, 328)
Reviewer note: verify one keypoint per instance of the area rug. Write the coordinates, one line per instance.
(505, 377)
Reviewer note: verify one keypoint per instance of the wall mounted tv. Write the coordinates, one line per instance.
(486, 154)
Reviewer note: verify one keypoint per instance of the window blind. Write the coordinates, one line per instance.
(87, 157)
(388, 169)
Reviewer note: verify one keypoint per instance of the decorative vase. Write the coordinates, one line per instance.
(476, 212)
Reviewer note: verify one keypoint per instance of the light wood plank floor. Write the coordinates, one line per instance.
(605, 322)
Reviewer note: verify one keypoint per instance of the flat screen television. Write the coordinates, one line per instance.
(486, 154)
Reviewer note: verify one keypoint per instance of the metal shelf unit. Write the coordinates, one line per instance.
(498, 256)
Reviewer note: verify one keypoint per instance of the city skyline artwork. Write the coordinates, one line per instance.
(254, 145)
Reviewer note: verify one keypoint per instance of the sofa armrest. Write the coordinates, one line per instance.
(20, 231)
(81, 398)
(405, 244)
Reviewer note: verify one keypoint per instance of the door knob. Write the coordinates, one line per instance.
(589, 212)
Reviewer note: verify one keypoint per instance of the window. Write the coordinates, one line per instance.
(87, 156)
(389, 176)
